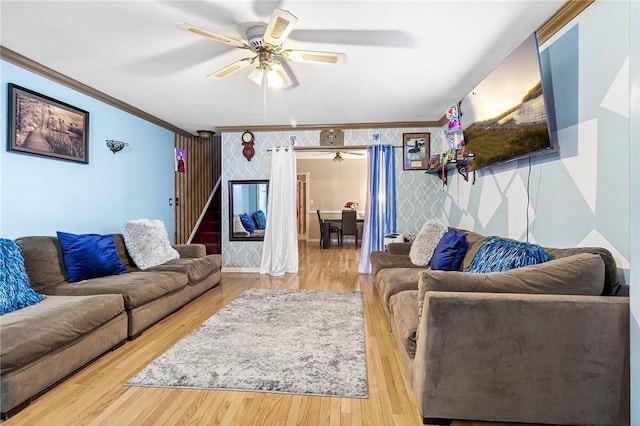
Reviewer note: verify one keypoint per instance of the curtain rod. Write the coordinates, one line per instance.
(329, 148)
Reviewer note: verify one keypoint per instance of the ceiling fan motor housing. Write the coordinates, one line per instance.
(255, 36)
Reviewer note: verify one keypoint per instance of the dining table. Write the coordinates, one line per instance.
(329, 217)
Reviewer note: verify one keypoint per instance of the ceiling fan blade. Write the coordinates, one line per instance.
(377, 38)
(230, 69)
(314, 57)
(280, 25)
(213, 36)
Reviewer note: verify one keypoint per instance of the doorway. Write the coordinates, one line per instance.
(302, 195)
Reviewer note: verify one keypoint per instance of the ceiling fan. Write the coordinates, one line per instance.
(264, 41)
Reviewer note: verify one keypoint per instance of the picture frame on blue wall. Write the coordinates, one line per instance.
(416, 151)
(43, 126)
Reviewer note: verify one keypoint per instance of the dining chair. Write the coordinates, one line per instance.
(349, 225)
(332, 229)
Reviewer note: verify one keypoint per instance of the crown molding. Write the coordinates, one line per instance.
(341, 126)
(30, 65)
(566, 13)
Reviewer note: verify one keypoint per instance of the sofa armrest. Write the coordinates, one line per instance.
(191, 250)
(530, 358)
(399, 248)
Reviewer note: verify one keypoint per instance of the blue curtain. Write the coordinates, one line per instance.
(380, 208)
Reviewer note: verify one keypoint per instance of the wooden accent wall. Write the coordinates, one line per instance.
(193, 188)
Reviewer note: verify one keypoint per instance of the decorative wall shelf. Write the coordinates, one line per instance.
(460, 164)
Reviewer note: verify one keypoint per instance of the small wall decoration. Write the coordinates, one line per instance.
(43, 126)
(180, 160)
(416, 149)
(331, 137)
(247, 142)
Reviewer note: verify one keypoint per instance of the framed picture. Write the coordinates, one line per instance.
(180, 160)
(43, 126)
(416, 149)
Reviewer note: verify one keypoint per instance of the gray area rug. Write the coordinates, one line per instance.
(284, 341)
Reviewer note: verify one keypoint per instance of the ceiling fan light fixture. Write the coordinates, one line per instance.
(256, 76)
(274, 79)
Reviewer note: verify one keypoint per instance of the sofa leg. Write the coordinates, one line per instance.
(435, 421)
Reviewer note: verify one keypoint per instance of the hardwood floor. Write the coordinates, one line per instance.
(96, 395)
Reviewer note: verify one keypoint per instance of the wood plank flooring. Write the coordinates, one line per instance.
(96, 395)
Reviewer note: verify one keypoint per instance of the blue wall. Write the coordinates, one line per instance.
(40, 195)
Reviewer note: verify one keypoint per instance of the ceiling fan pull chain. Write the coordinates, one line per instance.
(264, 95)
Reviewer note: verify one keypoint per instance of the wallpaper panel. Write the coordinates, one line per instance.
(418, 196)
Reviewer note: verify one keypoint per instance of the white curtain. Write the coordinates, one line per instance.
(280, 246)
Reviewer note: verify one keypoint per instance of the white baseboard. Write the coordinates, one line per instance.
(240, 269)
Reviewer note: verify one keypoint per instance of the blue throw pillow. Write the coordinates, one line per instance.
(450, 251)
(496, 254)
(90, 256)
(261, 219)
(247, 223)
(15, 290)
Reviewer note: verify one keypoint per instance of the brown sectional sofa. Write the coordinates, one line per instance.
(43, 343)
(547, 343)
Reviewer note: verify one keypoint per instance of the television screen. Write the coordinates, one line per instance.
(504, 117)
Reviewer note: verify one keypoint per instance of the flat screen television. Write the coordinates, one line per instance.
(504, 117)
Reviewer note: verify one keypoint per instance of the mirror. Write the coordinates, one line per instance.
(247, 209)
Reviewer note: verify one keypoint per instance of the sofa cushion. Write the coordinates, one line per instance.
(136, 288)
(405, 317)
(394, 280)
(382, 260)
(195, 268)
(498, 254)
(474, 240)
(581, 274)
(36, 330)
(89, 256)
(450, 251)
(611, 277)
(15, 291)
(148, 243)
(425, 243)
(43, 261)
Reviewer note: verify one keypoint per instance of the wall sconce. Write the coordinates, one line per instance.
(116, 146)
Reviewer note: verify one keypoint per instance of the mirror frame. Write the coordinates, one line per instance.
(243, 182)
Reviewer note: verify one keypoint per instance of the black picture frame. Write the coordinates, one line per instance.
(247, 196)
(43, 126)
(416, 151)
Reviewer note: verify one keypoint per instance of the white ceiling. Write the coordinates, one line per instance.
(406, 60)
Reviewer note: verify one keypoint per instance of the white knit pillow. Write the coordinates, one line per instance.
(425, 243)
(238, 227)
(148, 243)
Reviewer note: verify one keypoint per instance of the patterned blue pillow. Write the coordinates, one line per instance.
(15, 290)
(496, 254)
(90, 256)
(260, 219)
(247, 222)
